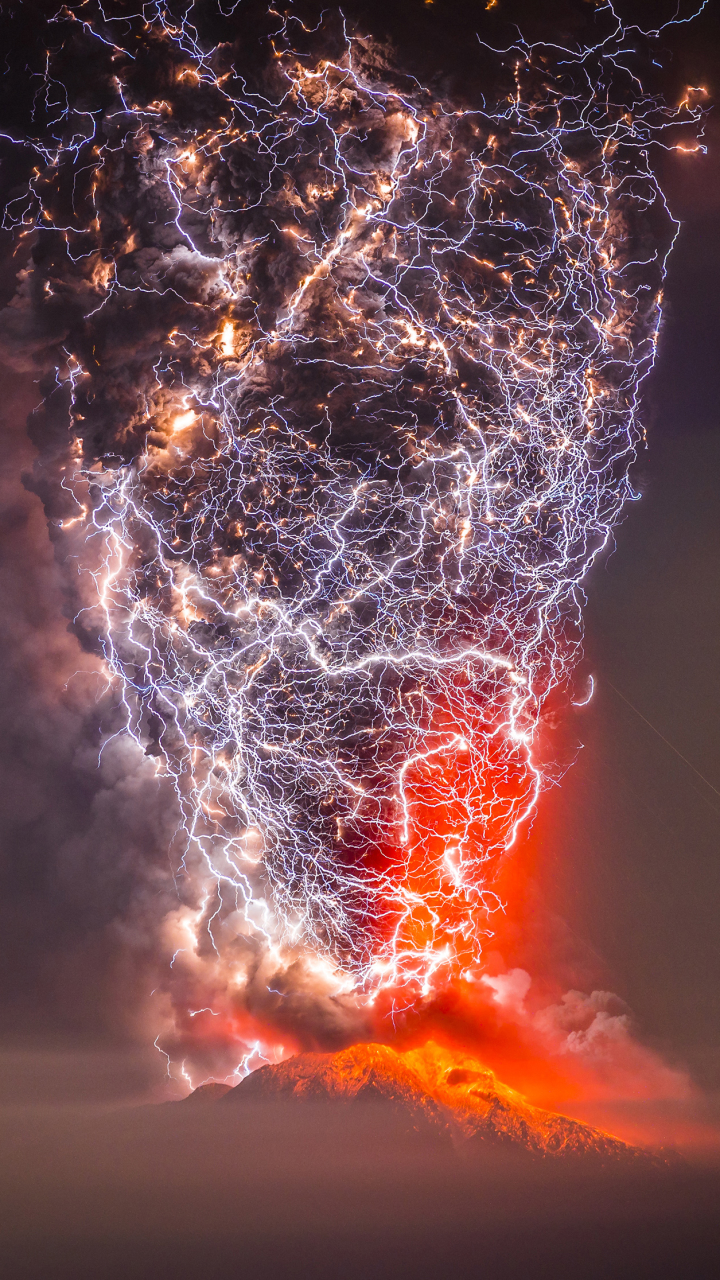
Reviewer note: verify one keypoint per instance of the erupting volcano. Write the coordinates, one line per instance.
(339, 406)
(433, 1090)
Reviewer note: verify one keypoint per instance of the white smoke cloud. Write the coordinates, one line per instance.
(596, 1031)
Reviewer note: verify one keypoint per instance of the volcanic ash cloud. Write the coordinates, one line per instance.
(341, 408)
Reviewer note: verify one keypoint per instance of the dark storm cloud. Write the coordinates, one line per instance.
(126, 300)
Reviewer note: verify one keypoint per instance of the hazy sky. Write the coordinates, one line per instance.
(630, 845)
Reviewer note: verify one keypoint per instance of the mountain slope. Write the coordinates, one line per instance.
(433, 1087)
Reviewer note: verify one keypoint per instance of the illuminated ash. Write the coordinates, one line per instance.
(352, 375)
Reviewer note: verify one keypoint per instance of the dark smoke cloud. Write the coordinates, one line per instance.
(87, 883)
(120, 310)
(84, 858)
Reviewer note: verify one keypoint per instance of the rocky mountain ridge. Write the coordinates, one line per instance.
(435, 1090)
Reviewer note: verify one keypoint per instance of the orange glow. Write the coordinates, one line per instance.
(227, 339)
(184, 420)
(464, 800)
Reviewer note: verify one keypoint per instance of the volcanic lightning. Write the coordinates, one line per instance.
(343, 412)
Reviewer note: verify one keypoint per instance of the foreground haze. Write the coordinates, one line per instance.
(357, 1164)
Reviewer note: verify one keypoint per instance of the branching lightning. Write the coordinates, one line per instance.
(338, 501)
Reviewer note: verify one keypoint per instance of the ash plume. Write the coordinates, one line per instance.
(340, 400)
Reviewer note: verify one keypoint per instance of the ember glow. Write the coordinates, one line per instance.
(346, 409)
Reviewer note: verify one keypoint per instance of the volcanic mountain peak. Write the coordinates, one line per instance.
(213, 1091)
(447, 1091)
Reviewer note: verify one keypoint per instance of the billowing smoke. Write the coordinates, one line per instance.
(341, 407)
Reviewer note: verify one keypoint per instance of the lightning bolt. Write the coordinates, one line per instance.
(336, 503)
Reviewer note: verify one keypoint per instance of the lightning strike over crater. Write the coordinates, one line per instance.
(344, 406)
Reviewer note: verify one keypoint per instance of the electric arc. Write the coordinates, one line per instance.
(347, 406)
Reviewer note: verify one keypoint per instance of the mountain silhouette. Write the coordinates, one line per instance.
(432, 1089)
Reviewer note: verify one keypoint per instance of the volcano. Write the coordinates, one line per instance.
(431, 1089)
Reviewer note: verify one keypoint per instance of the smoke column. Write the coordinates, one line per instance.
(342, 407)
